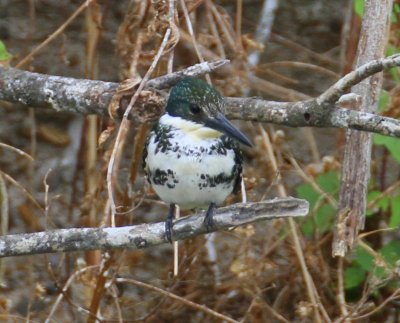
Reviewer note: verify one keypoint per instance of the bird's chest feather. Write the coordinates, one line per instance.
(191, 171)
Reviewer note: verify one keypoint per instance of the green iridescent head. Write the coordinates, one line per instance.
(194, 100)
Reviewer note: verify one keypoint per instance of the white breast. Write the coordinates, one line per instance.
(186, 173)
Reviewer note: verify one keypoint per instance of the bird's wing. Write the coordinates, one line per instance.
(232, 144)
(145, 153)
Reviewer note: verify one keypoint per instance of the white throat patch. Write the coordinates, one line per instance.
(194, 130)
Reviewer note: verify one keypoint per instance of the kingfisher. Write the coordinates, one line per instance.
(192, 156)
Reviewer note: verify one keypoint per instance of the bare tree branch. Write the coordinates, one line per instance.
(87, 96)
(147, 235)
(79, 95)
(310, 114)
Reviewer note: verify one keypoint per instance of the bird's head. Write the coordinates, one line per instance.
(194, 100)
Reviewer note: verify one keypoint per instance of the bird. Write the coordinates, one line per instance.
(192, 156)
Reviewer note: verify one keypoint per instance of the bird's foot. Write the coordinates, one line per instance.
(169, 222)
(208, 219)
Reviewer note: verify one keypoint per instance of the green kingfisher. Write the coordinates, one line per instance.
(192, 156)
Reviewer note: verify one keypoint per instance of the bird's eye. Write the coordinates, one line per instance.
(194, 108)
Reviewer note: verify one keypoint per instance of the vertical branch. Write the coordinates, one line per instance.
(214, 31)
(94, 257)
(238, 23)
(171, 19)
(193, 37)
(99, 289)
(341, 296)
(93, 28)
(4, 220)
(142, 129)
(310, 286)
(357, 155)
(264, 27)
(123, 129)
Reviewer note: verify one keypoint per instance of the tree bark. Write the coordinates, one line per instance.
(147, 235)
(357, 154)
(88, 96)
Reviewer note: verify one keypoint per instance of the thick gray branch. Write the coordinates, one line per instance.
(87, 96)
(78, 95)
(147, 235)
(310, 114)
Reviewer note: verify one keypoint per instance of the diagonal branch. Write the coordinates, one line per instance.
(310, 114)
(147, 235)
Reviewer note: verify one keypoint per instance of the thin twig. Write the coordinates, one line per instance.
(215, 33)
(184, 301)
(308, 66)
(4, 221)
(64, 290)
(23, 189)
(386, 192)
(54, 35)
(313, 183)
(171, 15)
(191, 33)
(311, 290)
(124, 125)
(223, 25)
(395, 295)
(341, 296)
(18, 151)
(264, 27)
(46, 198)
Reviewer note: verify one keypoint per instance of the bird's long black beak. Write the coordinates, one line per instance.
(222, 124)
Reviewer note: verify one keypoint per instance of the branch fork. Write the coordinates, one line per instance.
(89, 96)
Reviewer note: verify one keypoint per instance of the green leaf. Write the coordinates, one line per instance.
(329, 182)
(395, 75)
(305, 191)
(353, 277)
(392, 144)
(364, 259)
(358, 6)
(324, 218)
(381, 273)
(395, 13)
(383, 101)
(391, 252)
(4, 55)
(391, 50)
(308, 227)
(383, 203)
(394, 221)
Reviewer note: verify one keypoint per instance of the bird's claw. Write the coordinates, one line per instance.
(169, 222)
(168, 230)
(208, 219)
